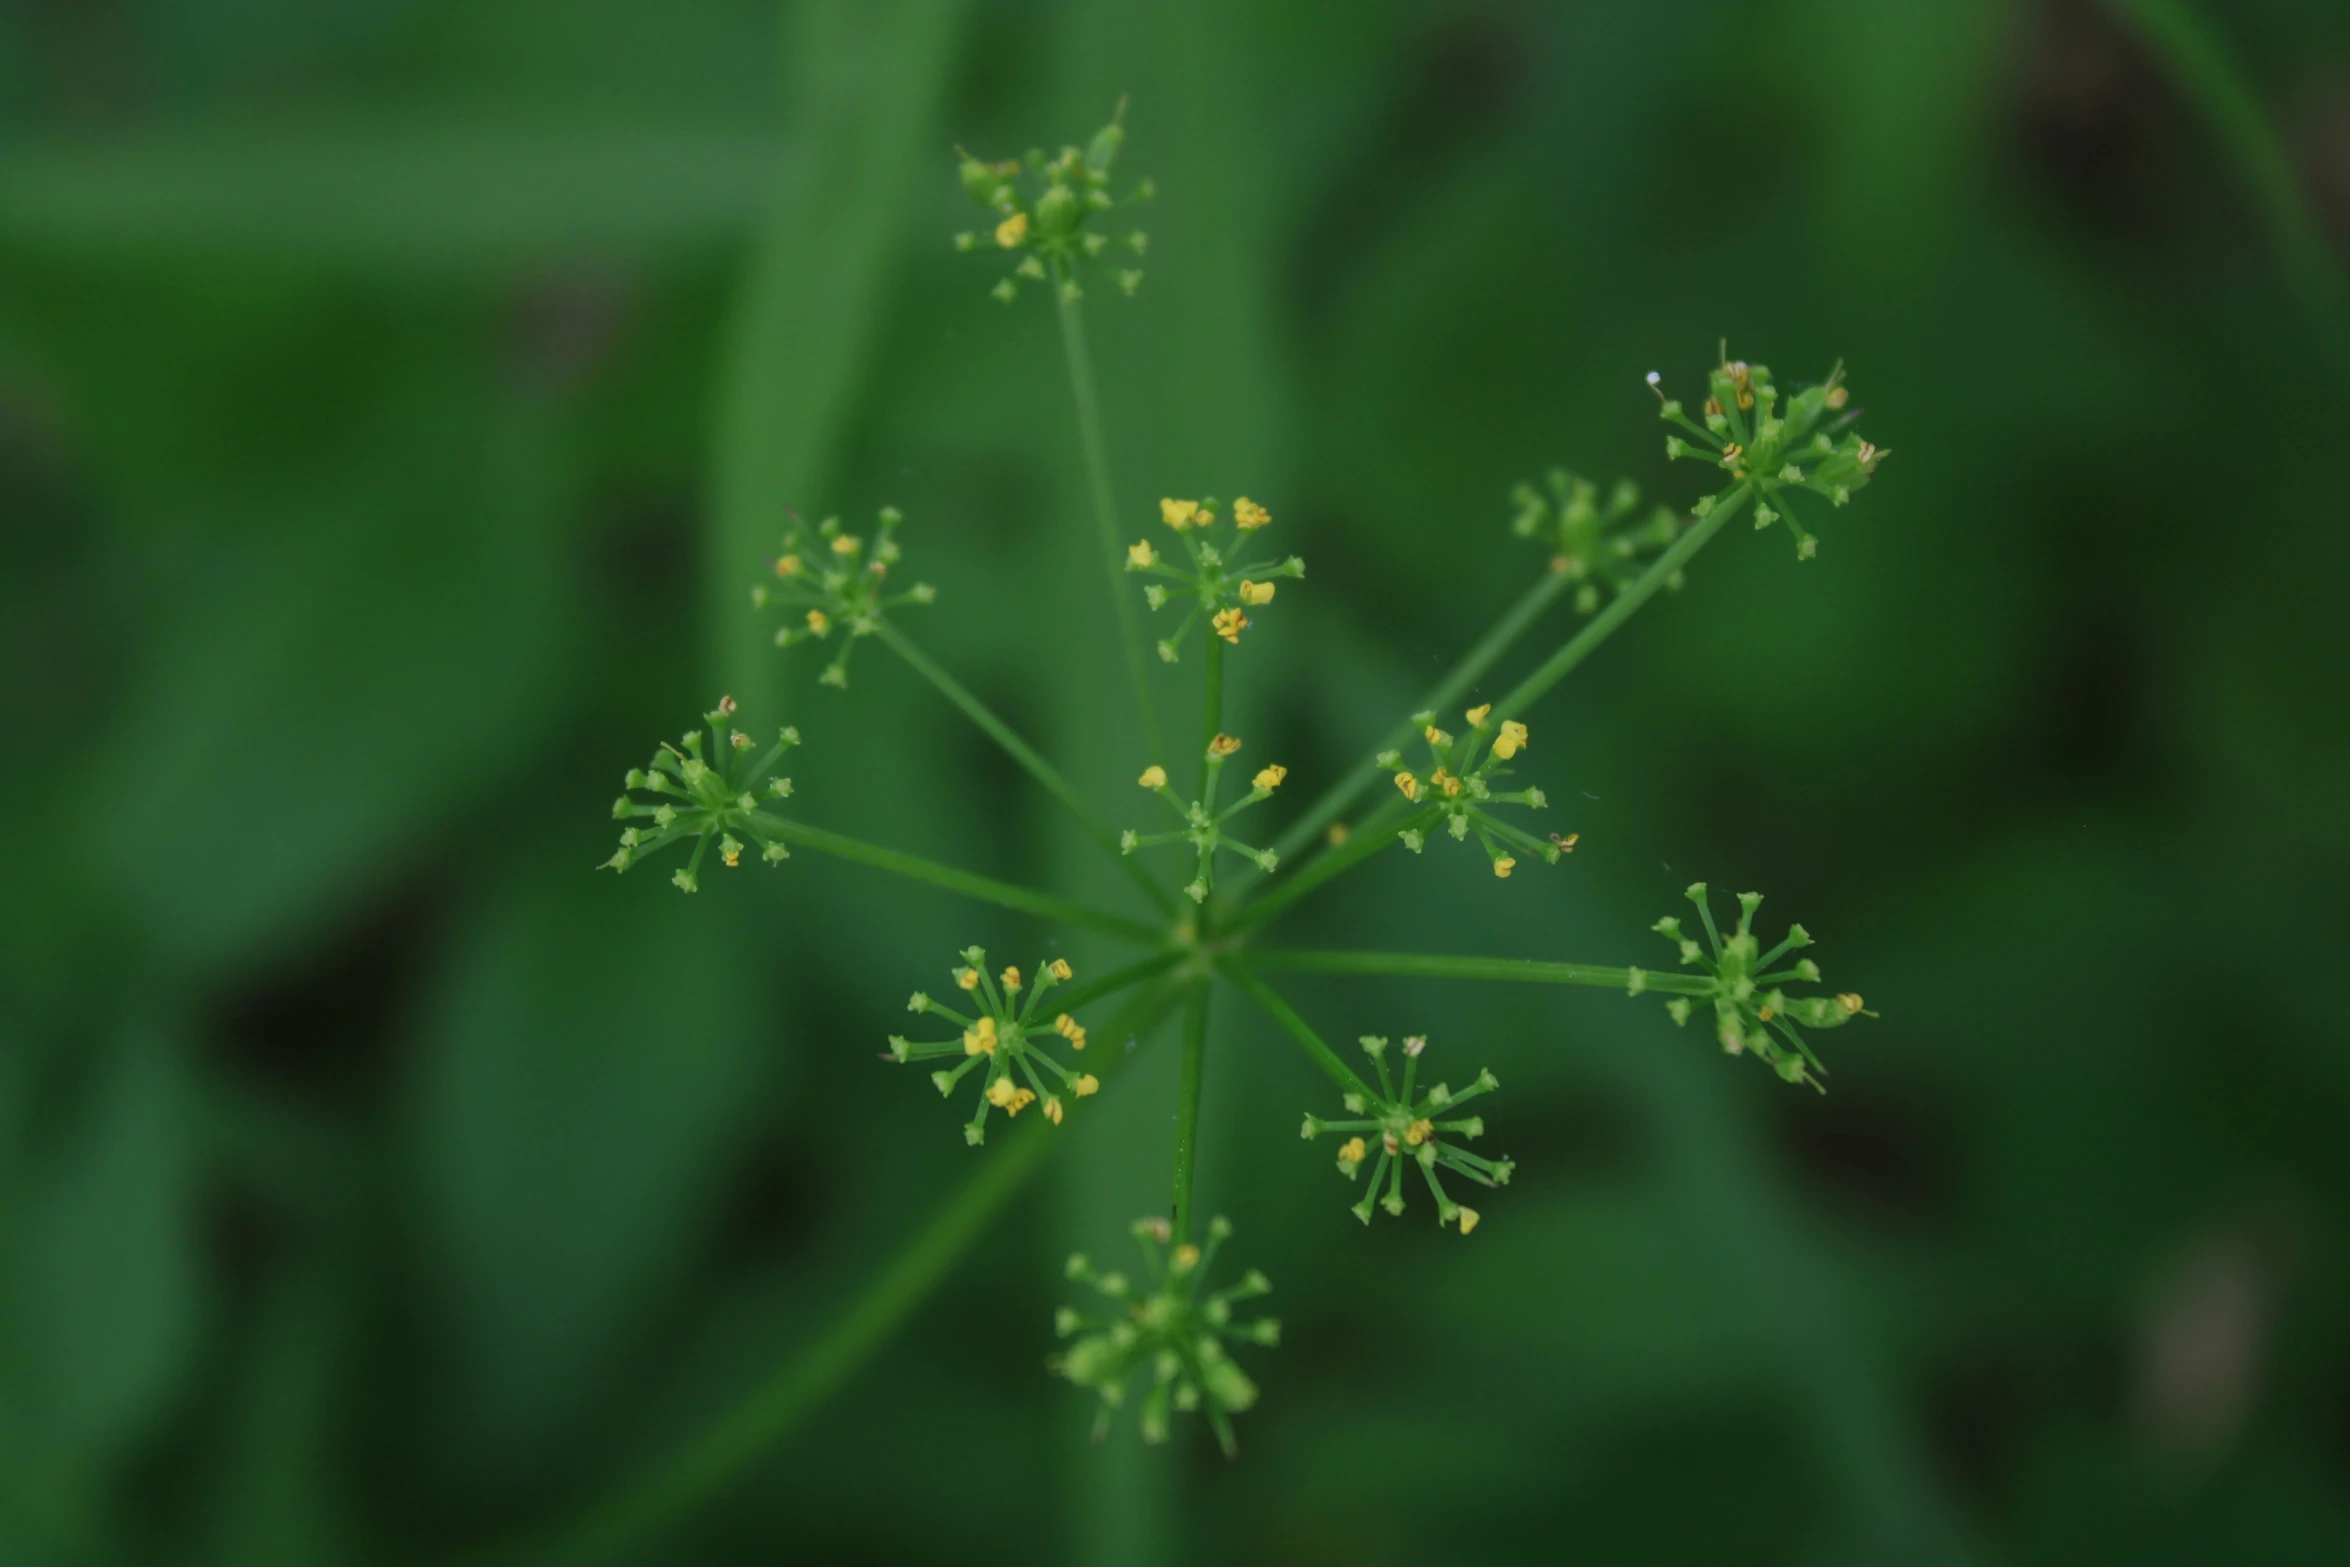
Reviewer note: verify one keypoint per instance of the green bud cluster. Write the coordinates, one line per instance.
(1810, 446)
(1752, 1014)
(1008, 1035)
(1043, 207)
(1590, 542)
(835, 581)
(1203, 824)
(708, 799)
(1458, 787)
(1220, 592)
(1399, 1129)
(1168, 1327)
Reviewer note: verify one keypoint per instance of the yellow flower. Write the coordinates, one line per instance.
(788, 566)
(1469, 1217)
(1010, 1099)
(967, 978)
(819, 622)
(1409, 785)
(1223, 745)
(1249, 514)
(1435, 736)
(1071, 1030)
(1503, 866)
(1052, 1109)
(1141, 556)
(845, 545)
(1352, 1151)
(1419, 1132)
(1186, 1257)
(1153, 777)
(1850, 1002)
(980, 1040)
(1511, 740)
(1087, 1084)
(1270, 777)
(1011, 977)
(1178, 514)
(731, 852)
(1440, 779)
(1256, 592)
(1230, 623)
(1059, 969)
(1476, 715)
(1012, 230)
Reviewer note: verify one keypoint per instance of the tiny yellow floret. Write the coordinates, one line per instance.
(1249, 514)
(980, 1040)
(1435, 736)
(1186, 1257)
(1511, 740)
(1441, 779)
(788, 566)
(1850, 1002)
(1223, 745)
(819, 622)
(1469, 1217)
(1087, 1084)
(1141, 556)
(1052, 1109)
(1270, 777)
(1153, 777)
(1012, 230)
(1256, 592)
(1838, 396)
(845, 545)
(1352, 1151)
(1409, 785)
(967, 978)
(1419, 1132)
(1011, 977)
(1059, 969)
(1503, 866)
(1071, 1030)
(1230, 623)
(1476, 715)
(1177, 514)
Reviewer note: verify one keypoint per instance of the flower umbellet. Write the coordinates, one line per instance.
(1043, 209)
(1203, 824)
(708, 799)
(1008, 1034)
(1590, 542)
(1811, 446)
(1750, 1005)
(1170, 1327)
(1456, 789)
(1221, 591)
(829, 580)
(1393, 1128)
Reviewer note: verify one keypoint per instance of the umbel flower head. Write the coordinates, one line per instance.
(1809, 446)
(827, 580)
(1220, 592)
(1170, 1328)
(1009, 1035)
(1752, 1014)
(1398, 1128)
(1203, 824)
(1042, 209)
(1458, 787)
(1590, 541)
(708, 799)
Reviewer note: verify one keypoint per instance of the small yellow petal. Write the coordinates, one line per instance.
(1059, 968)
(1409, 785)
(1256, 592)
(845, 545)
(1052, 1110)
(1012, 230)
(1503, 866)
(1178, 514)
(819, 622)
(1352, 1151)
(967, 978)
(1511, 740)
(1419, 1132)
(1230, 623)
(1850, 1002)
(1249, 514)
(1011, 977)
(1087, 1084)
(1435, 736)
(1186, 1257)
(1270, 777)
(1141, 556)
(1223, 745)
(1153, 778)
(788, 566)
(1476, 715)
(1469, 1217)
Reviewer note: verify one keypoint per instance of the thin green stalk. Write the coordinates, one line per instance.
(1280, 1011)
(1087, 992)
(1105, 510)
(2201, 68)
(1020, 751)
(1195, 1050)
(1212, 706)
(1357, 848)
(1428, 965)
(986, 889)
(820, 1366)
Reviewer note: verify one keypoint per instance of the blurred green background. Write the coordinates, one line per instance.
(397, 399)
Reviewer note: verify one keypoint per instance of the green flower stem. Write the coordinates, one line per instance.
(1105, 511)
(1195, 1050)
(1020, 751)
(1428, 965)
(1359, 847)
(821, 1365)
(1086, 992)
(1212, 707)
(1280, 1011)
(986, 889)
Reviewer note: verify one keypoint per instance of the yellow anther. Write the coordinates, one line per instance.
(1141, 556)
(1223, 745)
(1764, 1014)
(1503, 866)
(1059, 969)
(1409, 785)
(733, 856)
(1256, 592)
(1435, 736)
(1339, 832)
(1565, 845)
(1469, 1217)
(1419, 1132)
(1270, 777)
(1731, 453)
(1838, 396)
(1153, 777)
(1011, 977)
(1249, 514)
(1868, 455)
(980, 1040)
(1052, 1109)
(1178, 514)
(1186, 1257)
(1476, 715)
(1511, 740)
(788, 566)
(819, 622)
(1229, 624)
(1087, 1084)
(967, 978)
(845, 545)
(1012, 230)
(1070, 1029)
(1850, 1002)
(1352, 1151)
(1440, 779)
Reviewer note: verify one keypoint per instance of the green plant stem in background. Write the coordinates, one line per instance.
(1195, 1050)
(1281, 1012)
(1020, 751)
(1424, 965)
(986, 889)
(1212, 708)
(1373, 837)
(1105, 508)
(2202, 69)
